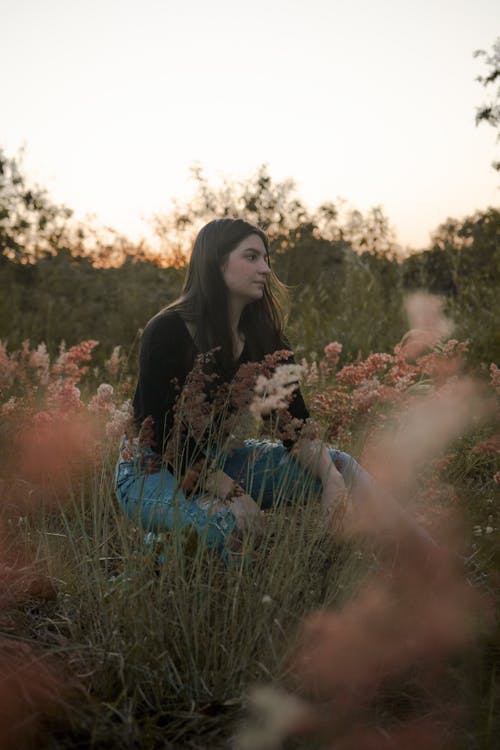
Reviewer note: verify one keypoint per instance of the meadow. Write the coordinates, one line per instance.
(325, 635)
(335, 632)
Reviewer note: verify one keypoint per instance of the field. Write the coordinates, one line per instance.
(342, 633)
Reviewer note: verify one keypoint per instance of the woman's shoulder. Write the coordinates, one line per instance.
(165, 324)
(165, 319)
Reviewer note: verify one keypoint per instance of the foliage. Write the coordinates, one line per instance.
(30, 224)
(490, 112)
(346, 279)
(463, 265)
(34, 228)
(276, 208)
(66, 297)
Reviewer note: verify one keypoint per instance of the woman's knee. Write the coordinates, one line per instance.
(352, 473)
(173, 512)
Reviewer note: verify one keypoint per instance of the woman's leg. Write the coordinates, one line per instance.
(157, 503)
(270, 474)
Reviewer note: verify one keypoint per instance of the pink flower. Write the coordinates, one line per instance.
(489, 446)
(372, 365)
(495, 378)
(9, 406)
(114, 363)
(367, 394)
(63, 396)
(68, 363)
(39, 359)
(332, 353)
(119, 421)
(103, 400)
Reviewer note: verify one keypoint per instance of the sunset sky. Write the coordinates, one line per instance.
(370, 101)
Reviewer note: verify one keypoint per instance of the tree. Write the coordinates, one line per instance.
(31, 225)
(490, 111)
(274, 206)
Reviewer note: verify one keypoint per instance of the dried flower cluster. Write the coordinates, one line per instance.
(220, 415)
(366, 393)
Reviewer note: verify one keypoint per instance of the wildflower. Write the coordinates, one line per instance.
(311, 375)
(39, 359)
(274, 714)
(496, 477)
(103, 400)
(357, 373)
(114, 363)
(68, 363)
(332, 353)
(192, 476)
(64, 396)
(367, 394)
(146, 433)
(274, 393)
(489, 446)
(333, 350)
(9, 405)
(193, 409)
(495, 378)
(120, 418)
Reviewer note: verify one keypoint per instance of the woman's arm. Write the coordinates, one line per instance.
(245, 510)
(314, 456)
(167, 355)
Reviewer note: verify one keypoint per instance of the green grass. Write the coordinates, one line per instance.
(163, 654)
(170, 649)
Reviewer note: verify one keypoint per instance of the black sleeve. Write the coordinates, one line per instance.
(166, 357)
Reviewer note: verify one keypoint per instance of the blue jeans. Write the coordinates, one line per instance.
(264, 469)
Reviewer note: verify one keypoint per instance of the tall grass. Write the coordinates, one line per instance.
(171, 637)
(156, 643)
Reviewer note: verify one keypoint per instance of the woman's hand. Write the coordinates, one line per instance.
(314, 456)
(248, 515)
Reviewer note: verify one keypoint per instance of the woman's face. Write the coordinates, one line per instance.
(245, 270)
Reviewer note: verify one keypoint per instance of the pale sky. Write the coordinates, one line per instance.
(370, 101)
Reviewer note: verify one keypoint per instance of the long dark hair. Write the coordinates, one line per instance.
(204, 301)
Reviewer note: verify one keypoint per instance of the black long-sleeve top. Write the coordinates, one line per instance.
(167, 356)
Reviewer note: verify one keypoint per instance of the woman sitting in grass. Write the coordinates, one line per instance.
(202, 362)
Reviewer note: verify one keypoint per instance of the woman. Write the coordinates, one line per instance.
(228, 308)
